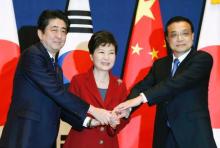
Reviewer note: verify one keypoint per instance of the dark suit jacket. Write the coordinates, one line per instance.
(182, 100)
(84, 86)
(38, 96)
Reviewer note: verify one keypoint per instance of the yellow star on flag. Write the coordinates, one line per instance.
(215, 1)
(136, 49)
(154, 53)
(143, 9)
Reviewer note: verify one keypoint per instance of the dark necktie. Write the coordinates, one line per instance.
(176, 63)
(53, 62)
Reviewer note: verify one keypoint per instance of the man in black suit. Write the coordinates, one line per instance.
(178, 85)
(39, 95)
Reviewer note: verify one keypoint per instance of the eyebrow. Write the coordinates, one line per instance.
(105, 49)
(180, 31)
(58, 27)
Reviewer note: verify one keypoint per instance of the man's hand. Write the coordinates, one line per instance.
(94, 123)
(128, 104)
(114, 120)
(122, 113)
(102, 115)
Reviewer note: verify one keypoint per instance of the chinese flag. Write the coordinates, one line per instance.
(146, 45)
(209, 41)
(9, 54)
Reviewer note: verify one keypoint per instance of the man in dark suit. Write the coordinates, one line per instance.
(178, 85)
(38, 92)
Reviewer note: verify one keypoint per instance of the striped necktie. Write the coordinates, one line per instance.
(176, 63)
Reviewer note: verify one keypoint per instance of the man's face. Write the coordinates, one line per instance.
(54, 35)
(180, 37)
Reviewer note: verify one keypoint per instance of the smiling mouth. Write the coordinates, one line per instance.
(180, 45)
(105, 64)
(58, 42)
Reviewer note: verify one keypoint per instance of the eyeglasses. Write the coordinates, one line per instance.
(182, 34)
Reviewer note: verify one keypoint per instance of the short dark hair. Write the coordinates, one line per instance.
(101, 38)
(178, 19)
(47, 15)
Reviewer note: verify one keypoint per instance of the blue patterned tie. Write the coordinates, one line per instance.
(176, 63)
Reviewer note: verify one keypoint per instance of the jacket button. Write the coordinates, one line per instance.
(101, 142)
(102, 129)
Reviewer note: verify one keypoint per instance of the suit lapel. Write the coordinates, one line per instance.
(43, 50)
(185, 61)
(168, 66)
(92, 88)
(57, 71)
(111, 90)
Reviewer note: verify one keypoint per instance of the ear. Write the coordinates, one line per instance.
(193, 36)
(166, 37)
(40, 34)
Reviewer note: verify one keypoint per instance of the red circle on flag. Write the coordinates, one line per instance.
(214, 89)
(8, 61)
(77, 61)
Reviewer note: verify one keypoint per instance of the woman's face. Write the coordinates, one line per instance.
(104, 57)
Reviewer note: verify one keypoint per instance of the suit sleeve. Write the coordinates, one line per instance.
(41, 75)
(198, 69)
(66, 116)
(143, 85)
(75, 122)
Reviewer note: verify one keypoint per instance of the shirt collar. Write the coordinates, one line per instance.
(182, 57)
(50, 55)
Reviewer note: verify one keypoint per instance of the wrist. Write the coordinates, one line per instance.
(144, 99)
(140, 99)
(91, 109)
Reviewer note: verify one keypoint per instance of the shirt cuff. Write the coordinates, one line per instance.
(144, 98)
(85, 122)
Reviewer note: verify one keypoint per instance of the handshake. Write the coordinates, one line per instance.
(106, 117)
(112, 118)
